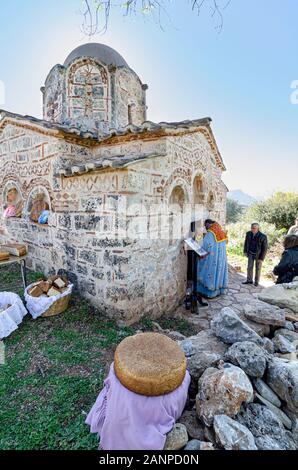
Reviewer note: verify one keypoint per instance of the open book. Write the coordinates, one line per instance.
(193, 245)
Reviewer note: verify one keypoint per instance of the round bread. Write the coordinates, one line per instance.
(150, 364)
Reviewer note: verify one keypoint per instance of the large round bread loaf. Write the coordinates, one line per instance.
(150, 364)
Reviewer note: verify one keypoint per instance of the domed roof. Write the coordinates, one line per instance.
(103, 53)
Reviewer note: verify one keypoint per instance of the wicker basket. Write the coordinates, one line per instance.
(58, 307)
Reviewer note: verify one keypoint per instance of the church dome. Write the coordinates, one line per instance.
(103, 53)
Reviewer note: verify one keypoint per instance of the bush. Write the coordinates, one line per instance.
(237, 232)
(281, 209)
(234, 211)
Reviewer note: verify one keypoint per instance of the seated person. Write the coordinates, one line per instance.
(39, 207)
(14, 206)
(287, 268)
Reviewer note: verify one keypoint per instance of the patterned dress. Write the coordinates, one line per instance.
(213, 270)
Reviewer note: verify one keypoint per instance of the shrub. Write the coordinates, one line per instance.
(281, 209)
(237, 232)
(234, 211)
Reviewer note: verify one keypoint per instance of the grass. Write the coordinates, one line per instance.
(54, 370)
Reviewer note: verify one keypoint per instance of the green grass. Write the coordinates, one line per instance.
(54, 370)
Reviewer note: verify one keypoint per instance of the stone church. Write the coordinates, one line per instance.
(115, 185)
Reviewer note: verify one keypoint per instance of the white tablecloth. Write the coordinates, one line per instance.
(13, 316)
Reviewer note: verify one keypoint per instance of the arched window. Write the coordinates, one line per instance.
(88, 95)
(13, 202)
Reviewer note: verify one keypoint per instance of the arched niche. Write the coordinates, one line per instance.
(178, 197)
(211, 201)
(13, 203)
(38, 201)
(177, 204)
(199, 190)
(88, 94)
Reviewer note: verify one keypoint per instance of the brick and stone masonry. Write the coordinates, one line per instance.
(115, 183)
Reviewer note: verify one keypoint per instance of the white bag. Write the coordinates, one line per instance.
(38, 305)
(13, 316)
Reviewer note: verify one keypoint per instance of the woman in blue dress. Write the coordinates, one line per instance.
(213, 269)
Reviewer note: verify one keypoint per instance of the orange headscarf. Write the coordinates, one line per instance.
(218, 232)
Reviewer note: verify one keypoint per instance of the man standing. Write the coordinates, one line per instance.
(294, 229)
(255, 248)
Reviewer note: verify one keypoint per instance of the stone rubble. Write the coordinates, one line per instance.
(223, 392)
(266, 392)
(249, 356)
(244, 370)
(227, 326)
(232, 435)
(282, 295)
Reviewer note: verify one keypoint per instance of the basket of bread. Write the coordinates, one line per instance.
(48, 296)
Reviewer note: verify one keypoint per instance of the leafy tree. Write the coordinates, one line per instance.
(97, 13)
(234, 211)
(281, 209)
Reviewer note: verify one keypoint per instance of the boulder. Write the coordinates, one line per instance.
(198, 445)
(294, 418)
(260, 312)
(290, 335)
(282, 295)
(282, 344)
(204, 341)
(282, 377)
(223, 392)
(289, 326)
(194, 428)
(249, 356)
(266, 392)
(227, 326)
(269, 443)
(259, 328)
(202, 351)
(177, 438)
(209, 435)
(198, 363)
(267, 429)
(278, 413)
(232, 435)
(268, 345)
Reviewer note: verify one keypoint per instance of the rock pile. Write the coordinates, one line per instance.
(244, 389)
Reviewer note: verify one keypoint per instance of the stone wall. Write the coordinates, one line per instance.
(105, 227)
(93, 97)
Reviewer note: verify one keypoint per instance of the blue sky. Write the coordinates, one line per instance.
(241, 77)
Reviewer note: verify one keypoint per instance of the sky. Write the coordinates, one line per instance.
(240, 77)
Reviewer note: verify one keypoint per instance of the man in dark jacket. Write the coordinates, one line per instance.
(287, 268)
(255, 248)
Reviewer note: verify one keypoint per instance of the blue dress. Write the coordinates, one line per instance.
(213, 270)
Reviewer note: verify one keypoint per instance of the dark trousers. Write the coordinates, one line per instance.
(250, 269)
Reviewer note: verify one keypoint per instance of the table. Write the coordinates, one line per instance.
(21, 260)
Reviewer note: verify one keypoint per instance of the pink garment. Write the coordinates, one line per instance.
(125, 420)
(10, 211)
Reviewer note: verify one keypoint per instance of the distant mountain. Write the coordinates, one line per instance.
(242, 198)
